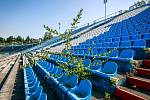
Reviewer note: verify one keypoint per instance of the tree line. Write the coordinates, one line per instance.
(27, 40)
(18, 40)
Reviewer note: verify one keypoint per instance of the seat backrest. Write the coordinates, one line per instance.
(43, 96)
(99, 45)
(95, 51)
(96, 65)
(110, 68)
(125, 38)
(59, 71)
(117, 39)
(72, 81)
(81, 51)
(54, 71)
(63, 78)
(84, 88)
(146, 36)
(108, 40)
(102, 51)
(50, 68)
(114, 53)
(33, 82)
(135, 37)
(126, 44)
(106, 44)
(35, 95)
(34, 87)
(87, 51)
(115, 44)
(140, 43)
(128, 53)
(87, 62)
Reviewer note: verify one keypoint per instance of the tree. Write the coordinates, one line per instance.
(10, 39)
(27, 39)
(2, 40)
(47, 36)
(19, 39)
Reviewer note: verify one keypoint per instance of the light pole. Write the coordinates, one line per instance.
(105, 1)
(59, 26)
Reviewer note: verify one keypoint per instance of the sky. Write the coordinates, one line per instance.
(27, 17)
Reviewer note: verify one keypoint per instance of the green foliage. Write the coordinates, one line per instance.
(18, 40)
(10, 39)
(107, 96)
(80, 70)
(47, 36)
(2, 40)
(66, 36)
(51, 30)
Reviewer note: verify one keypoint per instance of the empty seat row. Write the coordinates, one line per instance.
(126, 54)
(118, 39)
(126, 44)
(66, 86)
(33, 90)
(96, 67)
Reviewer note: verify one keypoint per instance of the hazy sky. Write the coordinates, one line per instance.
(26, 17)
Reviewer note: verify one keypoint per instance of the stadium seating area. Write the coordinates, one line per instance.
(115, 53)
(66, 86)
(33, 90)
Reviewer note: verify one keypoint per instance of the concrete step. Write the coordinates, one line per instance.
(143, 71)
(139, 82)
(146, 63)
(129, 94)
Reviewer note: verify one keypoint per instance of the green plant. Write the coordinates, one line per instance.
(67, 34)
(107, 96)
(79, 69)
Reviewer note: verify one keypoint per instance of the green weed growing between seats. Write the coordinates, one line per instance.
(79, 70)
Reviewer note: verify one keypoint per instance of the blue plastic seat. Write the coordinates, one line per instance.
(95, 51)
(98, 45)
(81, 52)
(87, 62)
(82, 92)
(108, 40)
(139, 43)
(70, 83)
(36, 95)
(102, 52)
(126, 44)
(136, 37)
(30, 79)
(43, 96)
(116, 39)
(50, 68)
(30, 84)
(87, 52)
(34, 87)
(109, 69)
(114, 53)
(128, 54)
(54, 71)
(115, 44)
(125, 38)
(146, 36)
(62, 79)
(106, 44)
(102, 40)
(96, 65)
